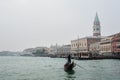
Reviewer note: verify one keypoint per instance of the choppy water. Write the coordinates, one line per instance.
(39, 68)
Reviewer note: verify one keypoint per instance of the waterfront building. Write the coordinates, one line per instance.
(80, 48)
(95, 48)
(116, 44)
(96, 27)
(60, 51)
(64, 50)
(54, 49)
(106, 46)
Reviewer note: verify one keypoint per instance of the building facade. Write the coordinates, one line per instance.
(60, 51)
(116, 44)
(95, 49)
(106, 46)
(54, 49)
(64, 50)
(81, 47)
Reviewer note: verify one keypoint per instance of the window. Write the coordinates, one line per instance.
(80, 44)
(85, 44)
(97, 29)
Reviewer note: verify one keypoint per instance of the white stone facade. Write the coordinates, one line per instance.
(106, 46)
(80, 47)
(95, 48)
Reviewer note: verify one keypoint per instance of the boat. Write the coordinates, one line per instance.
(69, 66)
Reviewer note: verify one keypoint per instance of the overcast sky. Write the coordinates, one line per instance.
(33, 23)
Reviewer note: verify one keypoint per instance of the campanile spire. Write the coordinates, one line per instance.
(96, 26)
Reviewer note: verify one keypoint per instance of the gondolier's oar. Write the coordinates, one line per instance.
(80, 66)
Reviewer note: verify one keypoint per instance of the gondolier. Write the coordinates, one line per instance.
(69, 58)
(69, 66)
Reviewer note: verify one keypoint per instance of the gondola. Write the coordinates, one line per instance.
(69, 66)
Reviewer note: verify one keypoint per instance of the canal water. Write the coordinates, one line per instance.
(44, 68)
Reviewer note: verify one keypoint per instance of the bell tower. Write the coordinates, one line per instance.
(96, 27)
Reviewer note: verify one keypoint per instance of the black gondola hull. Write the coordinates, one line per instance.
(69, 66)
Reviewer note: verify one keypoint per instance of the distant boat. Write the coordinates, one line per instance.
(69, 66)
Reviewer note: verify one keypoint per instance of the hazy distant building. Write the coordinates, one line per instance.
(60, 51)
(96, 27)
(54, 49)
(64, 50)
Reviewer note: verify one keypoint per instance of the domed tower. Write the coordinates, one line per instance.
(96, 27)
